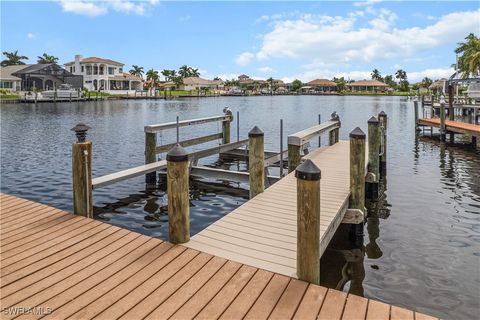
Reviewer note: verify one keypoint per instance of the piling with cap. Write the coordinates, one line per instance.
(451, 111)
(256, 161)
(150, 155)
(442, 119)
(357, 169)
(308, 222)
(178, 195)
(383, 119)
(82, 172)
(373, 157)
(334, 134)
(415, 109)
(226, 125)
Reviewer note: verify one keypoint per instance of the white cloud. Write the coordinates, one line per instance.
(83, 7)
(265, 69)
(366, 3)
(30, 35)
(434, 74)
(97, 8)
(244, 58)
(334, 39)
(185, 18)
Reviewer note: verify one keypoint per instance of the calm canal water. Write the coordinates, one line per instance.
(422, 241)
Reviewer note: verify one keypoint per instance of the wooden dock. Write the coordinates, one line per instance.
(452, 126)
(55, 265)
(263, 231)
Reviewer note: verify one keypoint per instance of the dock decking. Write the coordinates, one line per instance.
(55, 265)
(263, 231)
(453, 126)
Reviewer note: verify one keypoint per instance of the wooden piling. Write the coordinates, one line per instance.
(178, 195)
(415, 109)
(357, 169)
(383, 119)
(226, 125)
(70, 97)
(451, 111)
(150, 155)
(374, 147)
(308, 222)
(442, 119)
(293, 157)
(256, 161)
(82, 173)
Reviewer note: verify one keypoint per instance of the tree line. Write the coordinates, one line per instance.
(13, 58)
(170, 74)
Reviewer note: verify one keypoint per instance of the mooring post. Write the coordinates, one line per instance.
(335, 133)
(383, 119)
(442, 119)
(281, 148)
(308, 222)
(36, 97)
(373, 157)
(150, 155)
(319, 137)
(70, 97)
(451, 112)
(415, 109)
(256, 167)
(178, 195)
(293, 157)
(82, 172)
(357, 178)
(226, 125)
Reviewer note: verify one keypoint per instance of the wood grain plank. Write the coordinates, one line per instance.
(377, 310)
(180, 297)
(290, 300)
(355, 308)
(196, 303)
(267, 301)
(311, 303)
(397, 313)
(332, 307)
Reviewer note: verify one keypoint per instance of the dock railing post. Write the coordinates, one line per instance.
(335, 133)
(226, 125)
(373, 157)
(82, 172)
(293, 157)
(308, 222)
(178, 195)
(357, 176)
(383, 119)
(415, 109)
(442, 119)
(256, 160)
(150, 155)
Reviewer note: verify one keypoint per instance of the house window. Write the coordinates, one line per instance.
(7, 84)
(111, 70)
(90, 81)
(70, 69)
(100, 70)
(120, 70)
(83, 69)
(89, 70)
(95, 70)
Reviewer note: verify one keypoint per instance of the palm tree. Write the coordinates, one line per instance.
(184, 71)
(12, 59)
(193, 72)
(270, 81)
(469, 61)
(376, 75)
(426, 82)
(401, 75)
(152, 75)
(45, 58)
(137, 71)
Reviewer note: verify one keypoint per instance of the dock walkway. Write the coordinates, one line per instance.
(453, 126)
(55, 265)
(263, 231)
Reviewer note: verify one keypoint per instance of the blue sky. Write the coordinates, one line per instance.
(285, 40)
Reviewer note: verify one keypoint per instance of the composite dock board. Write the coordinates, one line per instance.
(263, 231)
(453, 126)
(78, 268)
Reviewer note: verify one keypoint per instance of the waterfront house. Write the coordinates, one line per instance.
(38, 76)
(197, 83)
(368, 86)
(439, 86)
(322, 85)
(104, 74)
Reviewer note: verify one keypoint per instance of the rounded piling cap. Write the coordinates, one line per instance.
(255, 132)
(81, 131)
(382, 114)
(177, 154)
(357, 133)
(373, 120)
(308, 171)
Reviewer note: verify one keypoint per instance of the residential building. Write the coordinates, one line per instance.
(197, 83)
(104, 74)
(39, 77)
(368, 86)
(322, 85)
